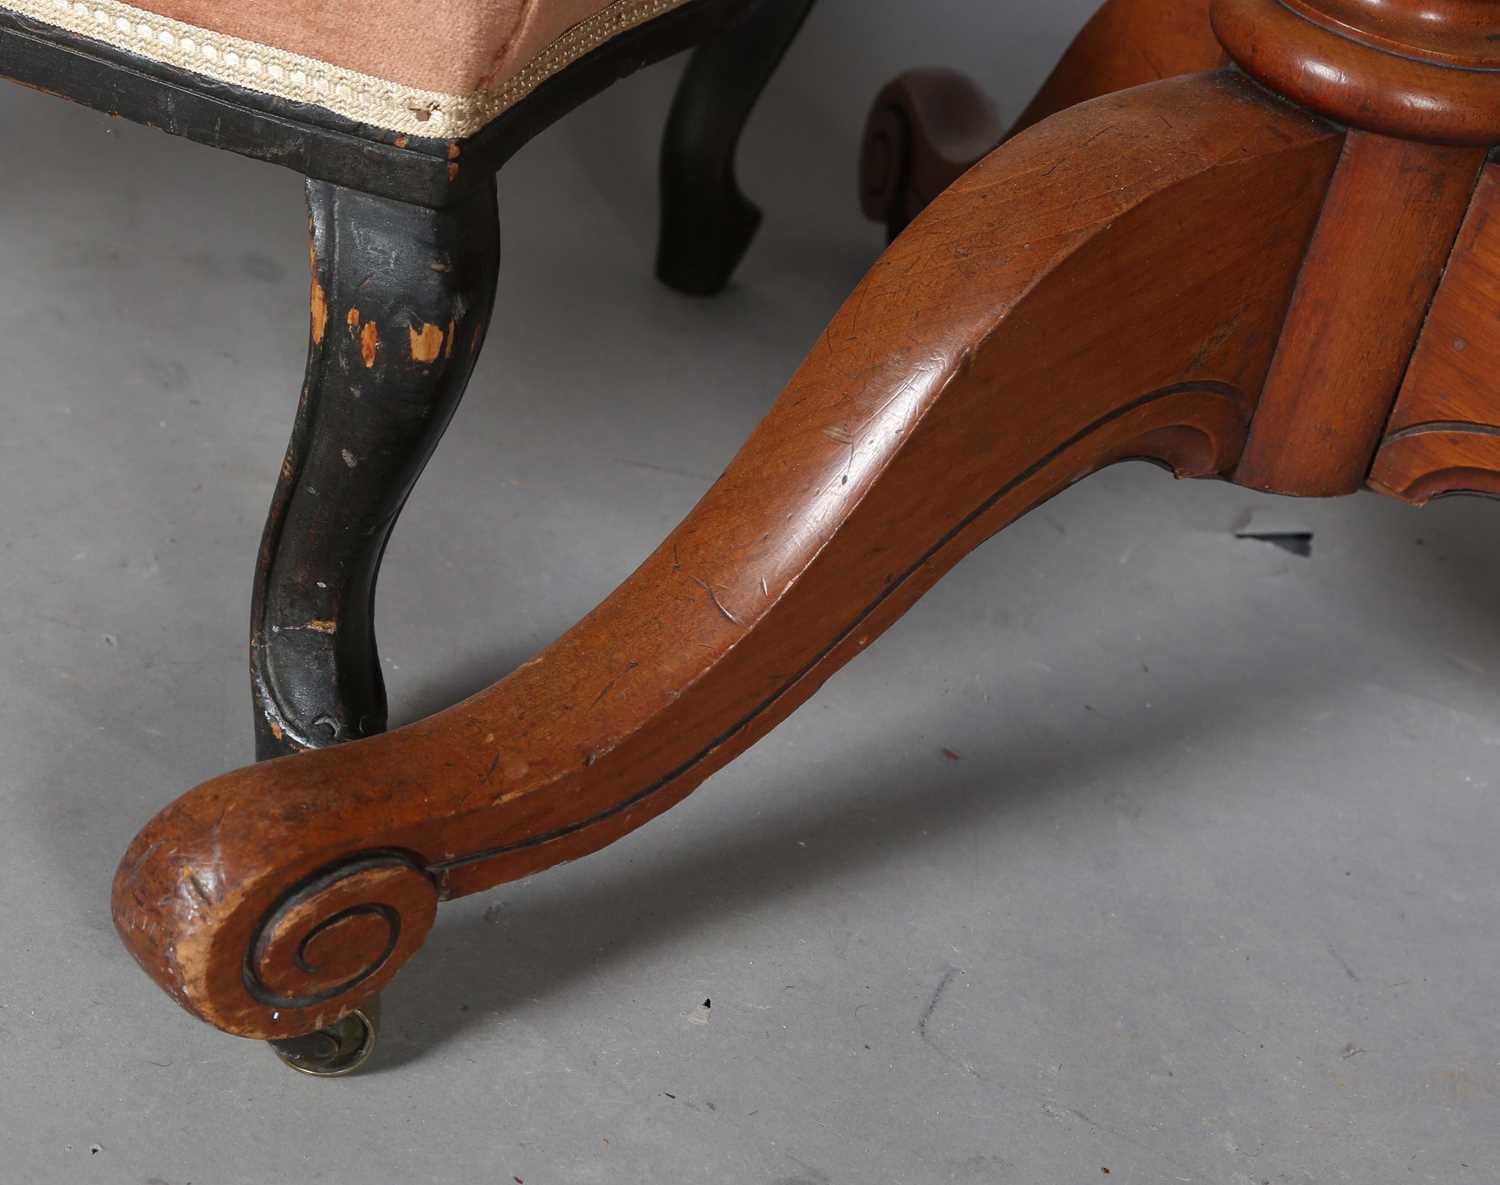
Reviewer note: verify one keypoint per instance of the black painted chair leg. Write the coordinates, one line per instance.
(401, 296)
(706, 221)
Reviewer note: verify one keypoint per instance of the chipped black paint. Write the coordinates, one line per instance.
(371, 413)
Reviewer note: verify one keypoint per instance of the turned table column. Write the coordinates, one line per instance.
(1418, 84)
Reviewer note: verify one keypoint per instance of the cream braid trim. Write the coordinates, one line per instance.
(357, 96)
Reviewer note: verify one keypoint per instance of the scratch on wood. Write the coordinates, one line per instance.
(610, 685)
(718, 604)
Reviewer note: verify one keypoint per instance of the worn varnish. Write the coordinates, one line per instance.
(1194, 272)
(1128, 43)
(939, 375)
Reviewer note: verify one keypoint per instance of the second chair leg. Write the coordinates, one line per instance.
(706, 221)
(401, 296)
(1110, 287)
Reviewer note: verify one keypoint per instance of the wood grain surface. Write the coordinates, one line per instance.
(1020, 335)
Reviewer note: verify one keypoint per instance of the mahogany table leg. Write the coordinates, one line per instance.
(1056, 311)
(929, 126)
(706, 220)
(401, 296)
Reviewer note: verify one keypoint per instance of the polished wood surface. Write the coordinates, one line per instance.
(1424, 71)
(1019, 336)
(1193, 272)
(1444, 434)
(1382, 240)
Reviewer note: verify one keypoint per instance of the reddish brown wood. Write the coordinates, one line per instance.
(1128, 43)
(1444, 434)
(930, 126)
(1459, 32)
(1421, 69)
(1020, 335)
(1434, 460)
(1455, 369)
(1392, 214)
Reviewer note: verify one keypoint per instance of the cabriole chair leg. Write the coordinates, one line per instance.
(706, 220)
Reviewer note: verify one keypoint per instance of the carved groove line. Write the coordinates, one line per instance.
(1466, 426)
(315, 886)
(1222, 390)
(1344, 34)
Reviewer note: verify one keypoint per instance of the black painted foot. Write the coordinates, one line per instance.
(401, 296)
(706, 221)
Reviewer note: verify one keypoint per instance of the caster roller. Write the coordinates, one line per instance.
(339, 1049)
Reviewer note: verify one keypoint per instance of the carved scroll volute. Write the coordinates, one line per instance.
(1417, 69)
(249, 948)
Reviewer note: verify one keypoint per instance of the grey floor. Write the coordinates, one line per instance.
(1203, 889)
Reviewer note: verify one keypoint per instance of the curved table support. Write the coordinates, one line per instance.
(1058, 310)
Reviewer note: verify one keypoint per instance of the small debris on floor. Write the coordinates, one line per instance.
(950, 755)
(699, 1015)
(1279, 530)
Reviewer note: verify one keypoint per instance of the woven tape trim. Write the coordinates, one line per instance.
(361, 97)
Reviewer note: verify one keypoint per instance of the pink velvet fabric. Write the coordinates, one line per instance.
(456, 46)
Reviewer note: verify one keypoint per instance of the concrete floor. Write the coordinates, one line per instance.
(1208, 895)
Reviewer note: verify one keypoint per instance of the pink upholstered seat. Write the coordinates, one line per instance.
(440, 68)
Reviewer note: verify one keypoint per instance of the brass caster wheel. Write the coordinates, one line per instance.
(339, 1049)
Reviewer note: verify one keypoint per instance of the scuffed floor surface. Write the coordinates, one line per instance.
(1138, 853)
